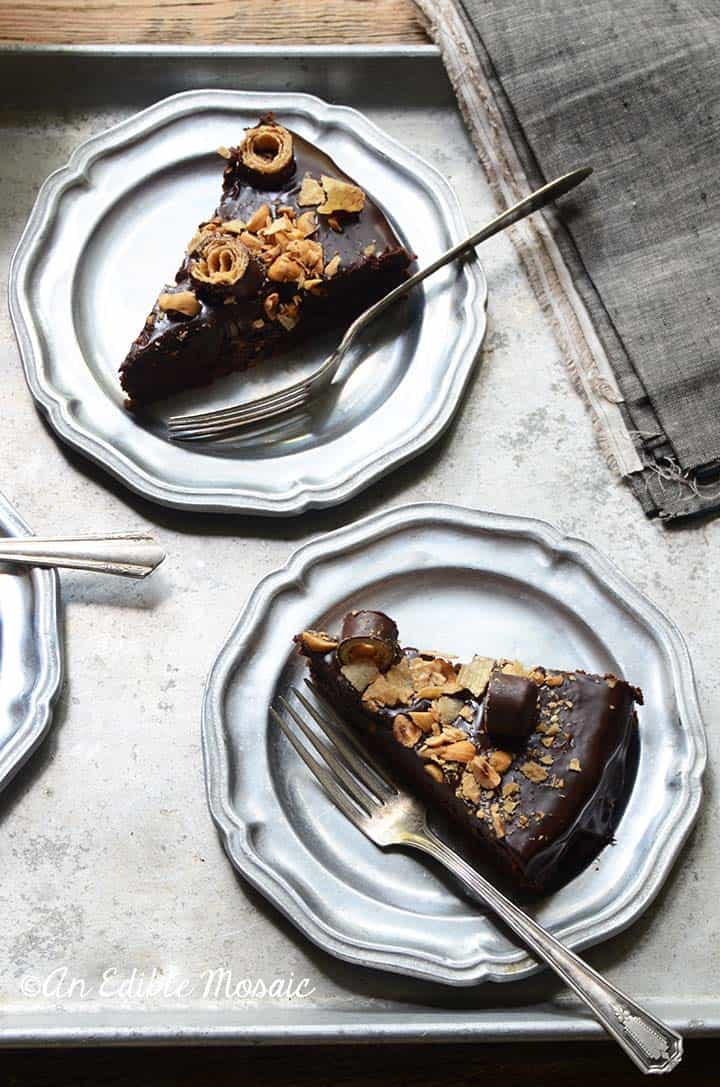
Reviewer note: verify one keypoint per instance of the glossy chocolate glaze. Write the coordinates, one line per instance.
(586, 721)
(174, 352)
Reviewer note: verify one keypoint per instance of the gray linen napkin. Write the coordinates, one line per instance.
(631, 87)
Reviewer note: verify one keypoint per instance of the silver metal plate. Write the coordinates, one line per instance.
(458, 581)
(107, 231)
(30, 654)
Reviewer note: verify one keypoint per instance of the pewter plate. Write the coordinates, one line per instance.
(460, 581)
(30, 653)
(107, 231)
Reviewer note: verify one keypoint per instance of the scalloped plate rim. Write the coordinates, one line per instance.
(55, 404)
(635, 900)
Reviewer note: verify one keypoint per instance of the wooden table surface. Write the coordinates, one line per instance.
(294, 22)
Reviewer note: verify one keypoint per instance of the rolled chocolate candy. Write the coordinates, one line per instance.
(511, 709)
(368, 636)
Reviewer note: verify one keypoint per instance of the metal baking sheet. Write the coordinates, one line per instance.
(465, 581)
(110, 860)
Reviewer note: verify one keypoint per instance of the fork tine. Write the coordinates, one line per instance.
(251, 408)
(188, 428)
(259, 401)
(354, 754)
(323, 776)
(349, 735)
(357, 793)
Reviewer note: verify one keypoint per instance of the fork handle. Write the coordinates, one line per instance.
(650, 1043)
(128, 554)
(540, 198)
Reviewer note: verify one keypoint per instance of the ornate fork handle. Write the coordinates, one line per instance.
(652, 1045)
(129, 554)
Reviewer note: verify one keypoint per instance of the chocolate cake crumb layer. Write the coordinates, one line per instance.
(533, 783)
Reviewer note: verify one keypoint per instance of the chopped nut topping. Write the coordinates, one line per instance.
(391, 688)
(270, 305)
(405, 731)
(223, 151)
(307, 223)
(500, 761)
(469, 788)
(434, 771)
(183, 302)
(311, 192)
(432, 692)
(554, 681)
(277, 225)
(452, 734)
(288, 316)
(340, 196)
(332, 266)
(308, 253)
(232, 226)
(498, 825)
(485, 774)
(574, 765)
(533, 771)
(335, 224)
(369, 250)
(510, 788)
(361, 674)
(514, 668)
(259, 219)
(467, 713)
(547, 760)
(285, 270)
(462, 751)
(475, 675)
(436, 741)
(448, 709)
(423, 719)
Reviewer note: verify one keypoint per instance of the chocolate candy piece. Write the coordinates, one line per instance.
(368, 636)
(511, 710)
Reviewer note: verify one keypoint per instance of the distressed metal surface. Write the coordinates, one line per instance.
(462, 582)
(105, 234)
(109, 857)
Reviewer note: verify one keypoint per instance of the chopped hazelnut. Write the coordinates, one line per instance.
(533, 771)
(183, 302)
(311, 192)
(405, 731)
(259, 219)
(485, 774)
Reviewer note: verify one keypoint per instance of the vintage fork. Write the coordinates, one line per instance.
(389, 816)
(227, 421)
(127, 554)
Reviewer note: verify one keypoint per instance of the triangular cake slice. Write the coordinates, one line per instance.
(294, 247)
(530, 764)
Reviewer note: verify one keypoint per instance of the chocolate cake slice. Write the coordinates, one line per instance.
(295, 246)
(530, 764)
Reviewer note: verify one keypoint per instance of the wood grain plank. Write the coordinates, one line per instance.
(213, 22)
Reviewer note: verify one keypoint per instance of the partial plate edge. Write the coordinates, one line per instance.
(49, 680)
